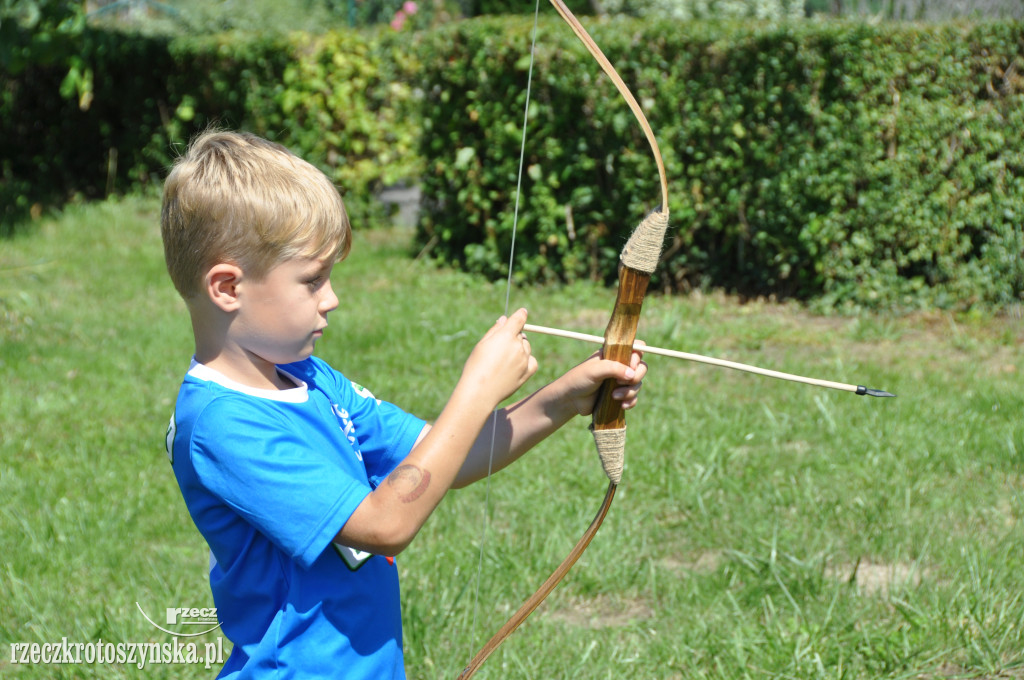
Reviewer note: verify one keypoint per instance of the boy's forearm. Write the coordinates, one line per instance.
(512, 431)
(393, 513)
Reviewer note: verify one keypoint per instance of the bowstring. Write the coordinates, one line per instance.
(508, 296)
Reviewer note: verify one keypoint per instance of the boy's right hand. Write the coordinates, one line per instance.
(501, 362)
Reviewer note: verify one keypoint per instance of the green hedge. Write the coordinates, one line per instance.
(479, 8)
(852, 164)
(62, 117)
(848, 164)
(338, 100)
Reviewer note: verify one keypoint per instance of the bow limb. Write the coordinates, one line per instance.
(620, 85)
(637, 262)
(534, 601)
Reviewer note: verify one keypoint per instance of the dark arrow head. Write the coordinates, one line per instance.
(873, 393)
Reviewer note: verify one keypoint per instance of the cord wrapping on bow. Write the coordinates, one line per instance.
(643, 250)
(638, 259)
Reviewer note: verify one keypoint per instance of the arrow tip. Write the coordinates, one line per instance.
(872, 392)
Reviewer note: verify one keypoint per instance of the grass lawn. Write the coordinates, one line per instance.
(763, 529)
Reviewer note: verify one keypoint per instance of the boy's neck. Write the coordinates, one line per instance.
(216, 349)
(249, 371)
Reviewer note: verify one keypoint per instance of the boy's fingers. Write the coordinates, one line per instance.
(514, 323)
(624, 375)
(517, 321)
(639, 368)
(638, 354)
(627, 391)
(621, 372)
(498, 324)
(514, 326)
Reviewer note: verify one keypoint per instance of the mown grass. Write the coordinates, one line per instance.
(763, 529)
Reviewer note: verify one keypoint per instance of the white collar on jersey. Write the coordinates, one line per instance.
(296, 395)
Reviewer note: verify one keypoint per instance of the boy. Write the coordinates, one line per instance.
(302, 483)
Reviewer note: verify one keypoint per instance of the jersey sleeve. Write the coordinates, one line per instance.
(383, 432)
(295, 490)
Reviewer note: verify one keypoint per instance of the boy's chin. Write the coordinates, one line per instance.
(291, 358)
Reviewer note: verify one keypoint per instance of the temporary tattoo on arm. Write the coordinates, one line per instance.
(409, 482)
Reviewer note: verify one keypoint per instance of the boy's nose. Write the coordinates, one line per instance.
(328, 301)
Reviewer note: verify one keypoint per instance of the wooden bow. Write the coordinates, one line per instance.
(637, 262)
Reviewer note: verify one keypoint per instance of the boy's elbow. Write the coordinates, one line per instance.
(384, 538)
(469, 474)
(393, 543)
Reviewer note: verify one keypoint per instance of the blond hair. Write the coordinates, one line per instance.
(235, 197)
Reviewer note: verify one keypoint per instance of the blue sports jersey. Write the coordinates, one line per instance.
(270, 477)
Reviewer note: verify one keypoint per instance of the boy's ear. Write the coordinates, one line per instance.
(221, 285)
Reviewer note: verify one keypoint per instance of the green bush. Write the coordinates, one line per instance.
(115, 118)
(79, 121)
(341, 101)
(936, 218)
(346, 99)
(846, 163)
(475, 77)
(480, 8)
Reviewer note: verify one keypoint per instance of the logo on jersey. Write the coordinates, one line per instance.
(348, 428)
(169, 439)
(364, 393)
(353, 558)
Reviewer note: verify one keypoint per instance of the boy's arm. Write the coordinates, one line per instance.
(389, 517)
(515, 429)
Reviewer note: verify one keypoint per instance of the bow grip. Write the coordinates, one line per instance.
(609, 420)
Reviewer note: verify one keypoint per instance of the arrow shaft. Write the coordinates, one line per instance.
(647, 349)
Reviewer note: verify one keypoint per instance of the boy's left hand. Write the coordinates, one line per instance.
(582, 383)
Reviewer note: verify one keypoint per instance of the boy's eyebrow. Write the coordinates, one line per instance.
(318, 262)
(322, 265)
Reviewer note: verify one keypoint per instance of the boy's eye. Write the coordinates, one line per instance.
(315, 282)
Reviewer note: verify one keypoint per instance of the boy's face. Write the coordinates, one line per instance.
(281, 317)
